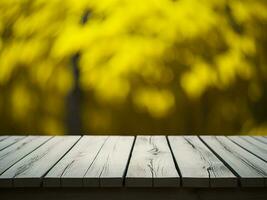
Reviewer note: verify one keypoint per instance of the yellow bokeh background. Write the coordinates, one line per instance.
(145, 66)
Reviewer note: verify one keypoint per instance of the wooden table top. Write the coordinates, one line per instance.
(133, 161)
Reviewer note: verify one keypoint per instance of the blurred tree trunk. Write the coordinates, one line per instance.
(74, 99)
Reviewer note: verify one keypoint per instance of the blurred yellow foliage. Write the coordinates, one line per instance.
(157, 102)
(153, 65)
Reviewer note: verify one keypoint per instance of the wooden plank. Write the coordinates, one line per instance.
(252, 145)
(152, 164)
(251, 169)
(70, 170)
(28, 172)
(262, 139)
(2, 137)
(108, 168)
(14, 153)
(9, 141)
(199, 167)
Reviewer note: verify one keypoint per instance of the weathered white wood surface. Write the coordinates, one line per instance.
(70, 170)
(2, 137)
(15, 152)
(252, 145)
(6, 142)
(107, 161)
(108, 168)
(28, 172)
(262, 139)
(199, 167)
(251, 169)
(152, 164)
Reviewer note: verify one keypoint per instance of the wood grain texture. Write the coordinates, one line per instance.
(108, 168)
(28, 172)
(199, 167)
(152, 164)
(70, 170)
(252, 145)
(6, 142)
(251, 169)
(93, 161)
(2, 137)
(15, 152)
(262, 139)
